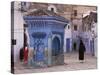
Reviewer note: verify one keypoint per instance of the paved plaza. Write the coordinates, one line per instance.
(71, 63)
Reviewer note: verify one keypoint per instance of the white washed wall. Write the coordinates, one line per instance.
(67, 34)
(18, 31)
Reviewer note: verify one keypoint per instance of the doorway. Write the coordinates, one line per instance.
(68, 45)
(74, 46)
(56, 58)
(55, 46)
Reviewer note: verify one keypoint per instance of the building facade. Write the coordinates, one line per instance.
(72, 31)
(90, 30)
(46, 34)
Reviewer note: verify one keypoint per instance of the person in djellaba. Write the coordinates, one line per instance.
(81, 51)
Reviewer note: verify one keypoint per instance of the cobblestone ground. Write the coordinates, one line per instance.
(71, 63)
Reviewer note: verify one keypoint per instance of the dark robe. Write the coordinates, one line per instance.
(21, 54)
(81, 50)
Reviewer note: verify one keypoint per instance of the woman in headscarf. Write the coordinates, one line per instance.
(81, 51)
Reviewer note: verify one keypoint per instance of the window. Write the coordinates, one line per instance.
(75, 27)
(68, 26)
(23, 3)
(52, 9)
(13, 42)
(75, 12)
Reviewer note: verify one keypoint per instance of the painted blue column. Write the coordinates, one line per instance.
(49, 50)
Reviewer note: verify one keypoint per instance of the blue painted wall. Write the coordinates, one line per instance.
(40, 28)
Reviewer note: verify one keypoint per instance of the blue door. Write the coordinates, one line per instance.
(55, 46)
(67, 45)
